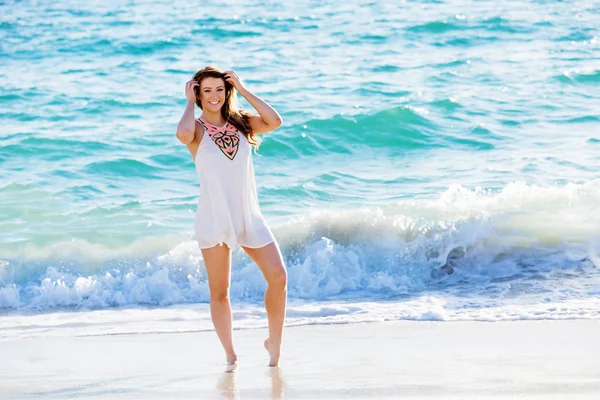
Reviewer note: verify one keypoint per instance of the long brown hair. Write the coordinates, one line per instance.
(230, 111)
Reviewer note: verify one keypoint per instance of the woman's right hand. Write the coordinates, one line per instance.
(190, 94)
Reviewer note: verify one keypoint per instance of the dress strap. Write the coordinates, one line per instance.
(199, 119)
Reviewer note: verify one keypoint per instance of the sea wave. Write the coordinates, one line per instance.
(466, 239)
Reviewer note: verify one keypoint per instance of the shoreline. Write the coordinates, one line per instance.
(414, 359)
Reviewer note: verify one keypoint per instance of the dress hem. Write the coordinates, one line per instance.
(237, 244)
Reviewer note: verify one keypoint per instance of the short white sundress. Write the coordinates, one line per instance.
(228, 209)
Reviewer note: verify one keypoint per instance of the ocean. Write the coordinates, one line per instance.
(419, 137)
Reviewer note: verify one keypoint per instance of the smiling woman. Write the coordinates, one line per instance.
(228, 215)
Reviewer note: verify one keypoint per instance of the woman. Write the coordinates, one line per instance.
(220, 142)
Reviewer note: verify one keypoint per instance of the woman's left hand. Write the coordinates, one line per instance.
(234, 79)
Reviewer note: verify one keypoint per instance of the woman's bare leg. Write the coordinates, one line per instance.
(270, 262)
(218, 269)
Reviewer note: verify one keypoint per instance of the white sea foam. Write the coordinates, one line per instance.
(194, 318)
(522, 242)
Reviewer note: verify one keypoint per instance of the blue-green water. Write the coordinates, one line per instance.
(410, 130)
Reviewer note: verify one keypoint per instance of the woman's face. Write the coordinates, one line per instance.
(212, 94)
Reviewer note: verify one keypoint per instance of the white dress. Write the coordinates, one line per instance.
(228, 209)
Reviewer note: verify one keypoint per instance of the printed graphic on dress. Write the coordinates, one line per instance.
(226, 138)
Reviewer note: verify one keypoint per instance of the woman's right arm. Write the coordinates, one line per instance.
(186, 129)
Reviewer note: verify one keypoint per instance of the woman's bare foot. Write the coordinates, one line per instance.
(232, 363)
(273, 353)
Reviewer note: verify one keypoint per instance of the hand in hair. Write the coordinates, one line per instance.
(190, 93)
(234, 80)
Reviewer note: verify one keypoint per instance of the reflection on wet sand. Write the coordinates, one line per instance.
(277, 383)
(227, 385)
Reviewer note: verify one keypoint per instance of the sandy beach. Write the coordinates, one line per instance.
(404, 359)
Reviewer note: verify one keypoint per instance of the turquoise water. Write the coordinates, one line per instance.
(412, 132)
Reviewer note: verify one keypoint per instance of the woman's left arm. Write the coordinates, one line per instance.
(268, 119)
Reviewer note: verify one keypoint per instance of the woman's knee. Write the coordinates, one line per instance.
(219, 294)
(278, 278)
